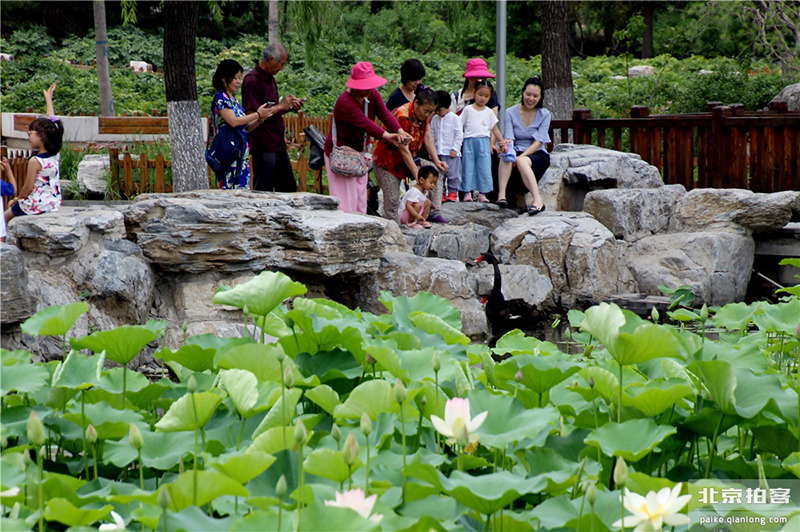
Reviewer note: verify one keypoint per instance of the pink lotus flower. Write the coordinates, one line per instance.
(458, 424)
(355, 500)
(651, 513)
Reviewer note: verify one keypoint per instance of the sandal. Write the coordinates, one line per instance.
(423, 225)
(533, 210)
(502, 203)
(413, 225)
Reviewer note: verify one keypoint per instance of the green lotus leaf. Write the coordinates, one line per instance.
(559, 472)
(111, 424)
(606, 384)
(18, 356)
(792, 463)
(328, 463)
(509, 421)
(259, 359)
(385, 354)
(324, 396)
(631, 439)
(190, 356)
(719, 378)
(417, 363)
(334, 365)
(63, 511)
(266, 519)
(280, 415)
(249, 396)
(683, 314)
(706, 421)
(123, 343)
(603, 321)
(648, 341)
(463, 378)
(190, 518)
(485, 493)
(189, 414)
(161, 450)
(272, 440)
(242, 467)
(210, 485)
(735, 316)
(320, 307)
(373, 397)
(318, 517)
(261, 294)
(432, 324)
(78, 371)
(643, 484)
(562, 513)
(112, 380)
(753, 393)
(779, 317)
(273, 325)
(402, 306)
(56, 320)
(539, 373)
(656, 396)
(24, 378)
(516, 342)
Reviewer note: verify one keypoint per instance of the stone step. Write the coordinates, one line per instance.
(641, 304)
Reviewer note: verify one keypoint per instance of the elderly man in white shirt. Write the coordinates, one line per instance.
(448, 134)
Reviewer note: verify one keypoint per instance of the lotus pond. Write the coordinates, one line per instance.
(330, 419)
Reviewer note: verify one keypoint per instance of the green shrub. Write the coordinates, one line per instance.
(33, 41)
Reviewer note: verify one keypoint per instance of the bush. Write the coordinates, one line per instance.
(33, 41)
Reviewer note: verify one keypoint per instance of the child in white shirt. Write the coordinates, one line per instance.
(479, 123)
(414, 206)
(448, 134)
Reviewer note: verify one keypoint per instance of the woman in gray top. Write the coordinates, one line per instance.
(526, 133)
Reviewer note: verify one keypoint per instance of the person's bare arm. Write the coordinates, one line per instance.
(33, 166)
(48, 99)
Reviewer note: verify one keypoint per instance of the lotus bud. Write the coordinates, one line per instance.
(424, 400)
(350, 449)
(436, 363)
(280, 356)
(591, 382)
(568, 333)
(36, 432)
(135, 437)
(370, 359)
(518, 375)
(300, 433)
(163, 498)
(336, 432)
(620, 472)
(400, 394)
(588, 351)
(280, 488)
(704, 313)
(246, 310)
(366, 424)
(181, 466)
(654, 315)
(591, 493)
(91, 434)
(191, 384)
(185, 327)
(288, 378)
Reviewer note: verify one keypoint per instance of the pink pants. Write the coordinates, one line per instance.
(351, 191)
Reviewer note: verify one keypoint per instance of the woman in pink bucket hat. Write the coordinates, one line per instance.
(353, 119)
(476, 70)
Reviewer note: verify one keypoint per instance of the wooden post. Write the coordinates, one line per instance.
(127, 168)
(113, 155)
(582, 133)
(718, 160)
(737, 150)
(160, 186)
(710, 106)
(640, 143)
(779, 107)
(144, 173)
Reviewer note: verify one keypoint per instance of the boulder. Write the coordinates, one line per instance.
(716, 264)
(93, 174)
(733, 209)
(641, 70)
(446, 241)
(519, 282)
(485, 214)
(576, 169)
(141, 66)
(631, 214)
(393, 238)
(407, 274)
(16, 305)
(234, 231)
(791, 95)
(574, 250)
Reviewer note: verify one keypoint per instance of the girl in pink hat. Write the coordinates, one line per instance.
(476, 70)
(354, 118)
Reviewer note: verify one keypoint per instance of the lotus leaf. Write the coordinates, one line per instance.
(189, 414)
(374, 397)
(123, 343)
(161, 450)
(259, 359)
(210, 485)
(325, 397)
(79, 372)
(55, 320)
(317, 517)
(328, 463)
(192, 518)
(386, 356)
(24, 378)
(111, 424)
(792, 463)
(719, 378)
(261, 294)
(402, 306)
(242, 467)
(656, 396)
(191, 356)
(432, 324)
(631, 439)
(735, 316)
(509, 421)
(273, 324)
(779, 317)
(539, 373)
(63, 511)
(282, 412)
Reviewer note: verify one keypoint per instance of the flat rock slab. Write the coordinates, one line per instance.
(232, 231)
(631, 214)
(485, 214)
(734, 209)
(448, 241)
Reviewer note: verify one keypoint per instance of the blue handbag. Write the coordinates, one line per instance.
(228, 146)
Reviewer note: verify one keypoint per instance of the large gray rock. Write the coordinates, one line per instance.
(233, 231)
(716, 264)
(576, 168)
(577, 253)
(734, 210)
(641, 70)
(16, 300)
(454, 242)
(518, 282)
(93, 173)
(631, 214)
(393, 239)
(485, 214)
(791, 95)
(407, 274)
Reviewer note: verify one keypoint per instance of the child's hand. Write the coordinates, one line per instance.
(4, 166)
(48, 94)
(12, 202)
(504, 147)
(453, 154)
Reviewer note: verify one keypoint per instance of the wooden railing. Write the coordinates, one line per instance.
(126, 186)
(724, 147)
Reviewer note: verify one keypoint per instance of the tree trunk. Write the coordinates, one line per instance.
(647, 38)
(273, 21)
(556, 62)
(185, 126)
(101, 45)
